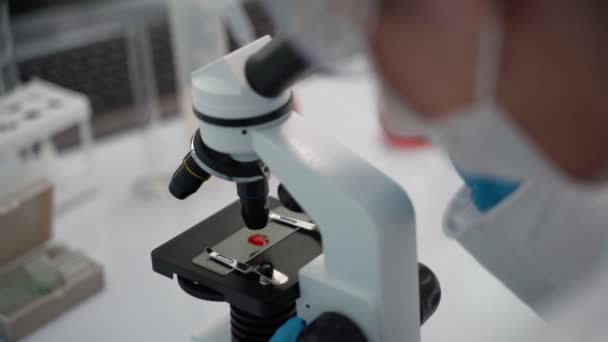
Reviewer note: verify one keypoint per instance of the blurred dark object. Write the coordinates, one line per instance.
(82, 45)
(288, 201)
(19, 7)
(9, 77)
(259, 19)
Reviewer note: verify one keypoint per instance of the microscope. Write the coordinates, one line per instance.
(338, 250)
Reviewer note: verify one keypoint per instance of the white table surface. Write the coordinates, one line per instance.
(119, 229)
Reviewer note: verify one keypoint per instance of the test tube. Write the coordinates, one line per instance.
(198, 39)
(155, 179)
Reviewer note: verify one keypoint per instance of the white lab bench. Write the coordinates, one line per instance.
(120, 229)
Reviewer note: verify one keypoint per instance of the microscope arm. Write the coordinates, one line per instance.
(370, 269)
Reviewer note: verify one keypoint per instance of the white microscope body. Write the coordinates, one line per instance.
(369, 270)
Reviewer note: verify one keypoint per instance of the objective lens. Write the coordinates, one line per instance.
(188, 178)
(254, 203)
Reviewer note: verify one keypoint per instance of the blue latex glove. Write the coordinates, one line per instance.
(487, 192)
(290, 331)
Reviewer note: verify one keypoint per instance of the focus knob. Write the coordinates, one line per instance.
(430, 292)
(332, 327)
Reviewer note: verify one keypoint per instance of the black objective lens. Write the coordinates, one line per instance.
(254, 203)
(187, 179)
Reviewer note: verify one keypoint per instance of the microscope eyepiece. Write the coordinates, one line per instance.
(254, 203)
(276, 67)
(187, 179)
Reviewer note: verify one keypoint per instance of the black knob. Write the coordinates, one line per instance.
(267, 270)
(332, 327)
(430, 292)
(199, 291)
(288, 201)
(187, 179)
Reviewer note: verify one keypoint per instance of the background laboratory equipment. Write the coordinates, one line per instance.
(155, 179)
(84, 46)
(31, 115)
(400, 130)
(8, 69)
(38, 280)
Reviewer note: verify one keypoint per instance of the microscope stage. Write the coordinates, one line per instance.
(289, 255)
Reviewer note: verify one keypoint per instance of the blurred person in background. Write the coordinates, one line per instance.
(514, 91)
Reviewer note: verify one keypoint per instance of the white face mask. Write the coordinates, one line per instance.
(482, 140)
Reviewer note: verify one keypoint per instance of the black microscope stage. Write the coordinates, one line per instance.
(289, 255)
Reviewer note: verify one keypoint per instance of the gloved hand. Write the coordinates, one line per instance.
(487, 192)
(290, 331)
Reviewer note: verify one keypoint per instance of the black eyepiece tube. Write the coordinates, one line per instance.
(254, 203)
(274, 68)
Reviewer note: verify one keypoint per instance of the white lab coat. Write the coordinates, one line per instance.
(579, 315)
(539, 242)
